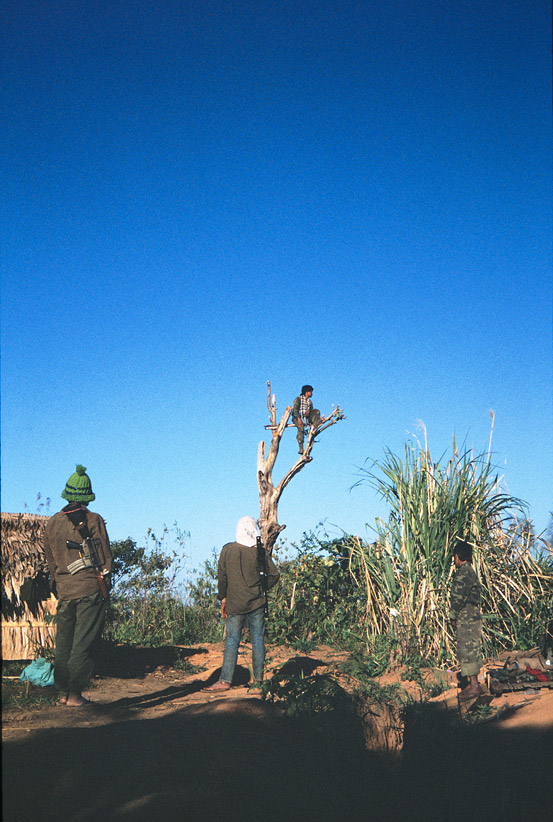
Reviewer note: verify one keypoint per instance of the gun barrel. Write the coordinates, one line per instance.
(262, 568)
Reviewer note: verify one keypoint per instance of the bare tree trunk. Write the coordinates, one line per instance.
(269, 496)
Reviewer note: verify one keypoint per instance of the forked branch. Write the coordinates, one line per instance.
(269, 495)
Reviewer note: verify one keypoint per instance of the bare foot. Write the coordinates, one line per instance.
(62, 700)
(218, 686)
(77, 703)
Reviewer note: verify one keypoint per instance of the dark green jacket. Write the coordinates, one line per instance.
(238, 578)
(465, 594)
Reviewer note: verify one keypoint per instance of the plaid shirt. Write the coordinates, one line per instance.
(305, 407)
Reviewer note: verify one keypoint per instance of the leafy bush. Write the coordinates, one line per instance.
(143, 608)
(306, 695)
(316, 600)
(146, 605)
(203, 621)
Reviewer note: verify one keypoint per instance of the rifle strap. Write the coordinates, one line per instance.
(77, 518)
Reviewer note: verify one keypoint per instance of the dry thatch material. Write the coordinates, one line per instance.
(22, 551)
(25, 627)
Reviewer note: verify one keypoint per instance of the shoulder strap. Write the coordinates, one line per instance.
(77, 518)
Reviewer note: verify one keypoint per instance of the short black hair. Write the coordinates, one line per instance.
(463, 549)
(306, 388)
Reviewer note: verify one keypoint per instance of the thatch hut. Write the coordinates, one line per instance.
(27, 605)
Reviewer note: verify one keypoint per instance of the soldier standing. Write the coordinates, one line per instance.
(80, 586)
(466, 617)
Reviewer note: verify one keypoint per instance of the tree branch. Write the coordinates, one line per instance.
(269, 496)
(336, 415)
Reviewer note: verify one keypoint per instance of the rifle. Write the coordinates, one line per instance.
(262, 568)
(87, 549)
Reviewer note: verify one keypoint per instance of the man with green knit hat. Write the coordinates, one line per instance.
(78, 487)
(80, 578)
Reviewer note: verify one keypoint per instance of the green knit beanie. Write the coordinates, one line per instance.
(78, 487)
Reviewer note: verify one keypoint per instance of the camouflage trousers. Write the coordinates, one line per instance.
(469, 632)
(314, 419)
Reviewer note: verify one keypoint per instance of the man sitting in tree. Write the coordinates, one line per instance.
(304, 414)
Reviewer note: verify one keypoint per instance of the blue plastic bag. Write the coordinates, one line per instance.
(39, 672)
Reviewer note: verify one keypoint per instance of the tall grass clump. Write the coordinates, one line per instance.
(406, 572)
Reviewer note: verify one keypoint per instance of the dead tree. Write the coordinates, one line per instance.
(269, 496)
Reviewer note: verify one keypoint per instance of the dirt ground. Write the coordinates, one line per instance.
(154, 746)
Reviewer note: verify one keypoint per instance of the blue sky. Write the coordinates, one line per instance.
(203, 196)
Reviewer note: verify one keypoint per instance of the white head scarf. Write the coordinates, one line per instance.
(246, 531)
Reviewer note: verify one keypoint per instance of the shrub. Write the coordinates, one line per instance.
(147, 607)
(316, 600)
(406, 573)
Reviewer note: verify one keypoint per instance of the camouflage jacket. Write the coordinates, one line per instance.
(465, 594)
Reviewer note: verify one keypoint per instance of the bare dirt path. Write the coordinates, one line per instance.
(151, 687)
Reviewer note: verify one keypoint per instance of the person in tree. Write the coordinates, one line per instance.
(466, 617)
(304, 414)
(242, 600)
(81, 589)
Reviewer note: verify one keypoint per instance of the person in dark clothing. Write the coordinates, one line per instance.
(466, 617)
(242, 600)
(81, 603)
(304, 414)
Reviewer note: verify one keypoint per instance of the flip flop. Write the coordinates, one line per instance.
(217, 686)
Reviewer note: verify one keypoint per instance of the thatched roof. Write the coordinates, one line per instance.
(22, 551)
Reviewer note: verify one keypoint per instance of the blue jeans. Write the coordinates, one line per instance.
(235, 624)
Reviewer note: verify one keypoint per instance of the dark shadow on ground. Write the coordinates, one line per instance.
(243, 760)
(242, 677)
(132, 661)
(155, 698)
(299, 666)
(221, 761)
(458, 770)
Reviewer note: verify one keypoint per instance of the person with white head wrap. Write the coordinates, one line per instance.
(242, 600)
(246, 531)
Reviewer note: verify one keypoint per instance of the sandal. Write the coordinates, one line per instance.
(217, 686)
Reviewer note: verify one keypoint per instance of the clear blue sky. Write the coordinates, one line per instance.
(203, 196)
